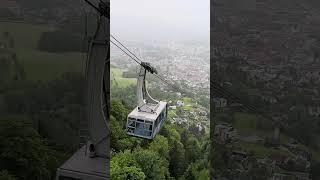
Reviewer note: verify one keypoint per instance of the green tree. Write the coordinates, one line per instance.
(126, 173)
(177, 164)
(119, 111)
(197, 171)
(124, 166)
(161, 146)
(203, 175)
(177, 159)
(126, 95)
(120, 141)
(193, 150)
(23, 151)
(151, 164)
(117, 133)
(125, 158)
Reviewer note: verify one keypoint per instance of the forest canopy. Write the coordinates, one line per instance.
(177, 152)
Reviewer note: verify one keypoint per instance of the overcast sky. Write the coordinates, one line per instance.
(166, 20)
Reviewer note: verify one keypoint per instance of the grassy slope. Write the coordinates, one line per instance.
(40, 65)
(122, 82)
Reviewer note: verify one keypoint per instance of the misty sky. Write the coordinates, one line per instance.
(166, 20)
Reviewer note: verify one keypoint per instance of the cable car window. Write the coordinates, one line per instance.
(161, 116)
(157, 121)
(140, 120)
(132, 123)
(148, 122)
(148, 127)
(147, 133)
(131, 130)
(139, 129)
(139, 125)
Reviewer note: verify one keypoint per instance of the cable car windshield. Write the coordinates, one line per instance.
(144, 124)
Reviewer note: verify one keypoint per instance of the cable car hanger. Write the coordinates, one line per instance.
(103, 8)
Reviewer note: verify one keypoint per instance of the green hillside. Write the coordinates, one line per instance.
(120, 80)
(40, 65)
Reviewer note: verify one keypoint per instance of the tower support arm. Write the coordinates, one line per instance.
(143, 96)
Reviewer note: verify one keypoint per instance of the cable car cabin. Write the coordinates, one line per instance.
(146, 124)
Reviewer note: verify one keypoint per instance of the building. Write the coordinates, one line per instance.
(180, 103)
(180, 120)
(199, 126)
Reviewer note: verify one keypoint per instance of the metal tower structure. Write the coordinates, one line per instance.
(91, 161)
(143, 95)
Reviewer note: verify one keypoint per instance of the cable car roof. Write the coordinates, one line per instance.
(148, 116)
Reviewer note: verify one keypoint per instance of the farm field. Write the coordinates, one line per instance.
(120, 81)
(35, 62)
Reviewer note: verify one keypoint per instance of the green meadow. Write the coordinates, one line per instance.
(40, 65)
(117, 74)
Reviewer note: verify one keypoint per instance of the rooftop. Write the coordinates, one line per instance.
(150, 116)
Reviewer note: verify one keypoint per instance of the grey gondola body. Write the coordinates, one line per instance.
(148, 117)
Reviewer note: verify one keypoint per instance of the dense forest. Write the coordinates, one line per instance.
(38, 125)
(177, 152)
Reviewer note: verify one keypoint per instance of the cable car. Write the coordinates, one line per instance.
(148, 117)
